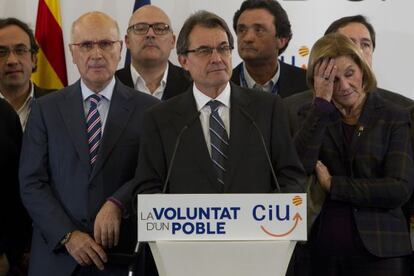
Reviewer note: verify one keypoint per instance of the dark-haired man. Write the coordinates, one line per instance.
(263, 33)
(18, 60)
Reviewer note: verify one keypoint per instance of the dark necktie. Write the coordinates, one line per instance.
(219, 141)
(94, 128)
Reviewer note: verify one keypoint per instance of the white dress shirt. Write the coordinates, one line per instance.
(103, 105)
(140, 85)
(205, 111)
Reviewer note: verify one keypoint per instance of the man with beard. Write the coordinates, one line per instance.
(150, 39)
(263, 33)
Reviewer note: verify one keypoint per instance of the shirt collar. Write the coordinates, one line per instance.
(106, 92)
(136, 76)
(202, 99)
(250, 81)
(27, 100)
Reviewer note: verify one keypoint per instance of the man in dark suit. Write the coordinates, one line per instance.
(263, 33)
(208, 159)
(15, 223)
(150, 39)
(18, 49)
(80, 150)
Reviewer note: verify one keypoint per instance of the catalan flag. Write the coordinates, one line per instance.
(51, 65)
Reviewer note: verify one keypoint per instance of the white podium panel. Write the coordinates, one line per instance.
(222, 234)
(222, 258)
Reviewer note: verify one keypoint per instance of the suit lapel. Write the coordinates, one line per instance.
(240, 130)
(125, 76)
(119, 112)
(170, 88)
(193, 140)
(73, 115)
(336, 133)
(365, 122)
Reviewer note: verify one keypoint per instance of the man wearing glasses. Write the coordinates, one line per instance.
(150, 39)
(18, 60)
(217, 126)
(79, 154)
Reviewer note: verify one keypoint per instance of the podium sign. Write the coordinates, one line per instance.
(231, 217)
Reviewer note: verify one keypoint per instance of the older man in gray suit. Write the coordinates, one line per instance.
(80, 150)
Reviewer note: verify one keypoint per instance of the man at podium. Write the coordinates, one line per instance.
(216, 137)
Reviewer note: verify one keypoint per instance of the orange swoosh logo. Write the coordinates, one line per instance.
(296, 218)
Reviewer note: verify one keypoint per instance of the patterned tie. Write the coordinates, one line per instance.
(219, 141)
(94, 128)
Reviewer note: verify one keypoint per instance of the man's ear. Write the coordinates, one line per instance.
(281, 42)
(183, 60)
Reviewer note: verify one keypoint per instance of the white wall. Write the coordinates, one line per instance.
(393, 59)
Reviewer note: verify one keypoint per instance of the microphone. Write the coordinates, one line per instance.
(177, 143)
(250, 118)
(139, 245)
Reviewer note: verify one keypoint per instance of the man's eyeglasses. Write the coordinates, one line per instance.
(205, 51)
(18, 50)
(104, 45)
(143, 28)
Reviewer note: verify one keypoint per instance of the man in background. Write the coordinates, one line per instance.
(18, 49)
(150, 39)
(263, 33)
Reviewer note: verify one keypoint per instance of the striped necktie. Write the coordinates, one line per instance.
(219, 141)
(94, 127)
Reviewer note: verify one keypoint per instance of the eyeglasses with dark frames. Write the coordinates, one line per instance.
(104, 45)
(17, 50)
(205, 51)
(143, 28)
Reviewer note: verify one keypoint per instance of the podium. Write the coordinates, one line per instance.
(236, 234)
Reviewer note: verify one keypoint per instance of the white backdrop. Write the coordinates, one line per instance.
(393, 58)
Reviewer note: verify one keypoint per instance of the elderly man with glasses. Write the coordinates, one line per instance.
(80, 151)
(150, 39)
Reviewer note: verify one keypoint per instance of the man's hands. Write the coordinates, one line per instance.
(107, 225)
(87, 251)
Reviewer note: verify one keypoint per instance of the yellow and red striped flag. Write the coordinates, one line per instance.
(51, 65)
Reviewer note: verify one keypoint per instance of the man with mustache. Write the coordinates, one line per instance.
(263, 33)
(80, 151)
(150, 39)
(18, 49)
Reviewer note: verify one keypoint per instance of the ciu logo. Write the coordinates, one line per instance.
(276, 213)
(303, 52)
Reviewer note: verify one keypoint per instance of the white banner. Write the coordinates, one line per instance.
(221, 217)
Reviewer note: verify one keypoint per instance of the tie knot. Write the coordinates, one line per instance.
(214, 105)
(94, 99)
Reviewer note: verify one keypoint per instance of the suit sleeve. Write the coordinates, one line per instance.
(289, 170)
(152, 167)
(35, 182)
(391, 190)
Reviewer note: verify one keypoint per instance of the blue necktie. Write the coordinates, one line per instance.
(219, 141)
(94, 128)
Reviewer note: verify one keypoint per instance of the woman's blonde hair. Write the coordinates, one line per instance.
(336, 45)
